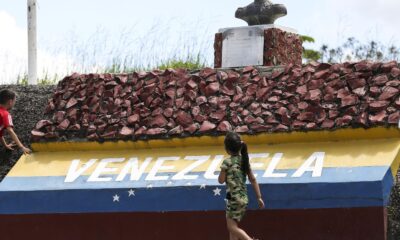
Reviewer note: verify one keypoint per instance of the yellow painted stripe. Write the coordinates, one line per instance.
(395, 165)
(267, 138)
(361, 153)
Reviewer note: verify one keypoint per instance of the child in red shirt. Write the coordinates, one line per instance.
(7, 102)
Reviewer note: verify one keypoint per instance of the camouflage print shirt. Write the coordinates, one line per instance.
(235, 179)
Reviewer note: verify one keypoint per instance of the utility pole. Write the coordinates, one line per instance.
(32, 43)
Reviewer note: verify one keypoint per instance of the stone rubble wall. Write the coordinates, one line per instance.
(167, 104)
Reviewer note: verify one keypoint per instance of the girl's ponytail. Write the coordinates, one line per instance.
(245, 158)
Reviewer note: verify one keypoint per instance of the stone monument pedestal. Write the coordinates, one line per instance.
(260, 45)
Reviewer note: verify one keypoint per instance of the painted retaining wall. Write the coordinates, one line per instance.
(272, 221)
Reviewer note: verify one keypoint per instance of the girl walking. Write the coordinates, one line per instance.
(234, 172)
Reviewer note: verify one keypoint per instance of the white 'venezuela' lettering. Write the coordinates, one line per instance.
(74, 172)
(102, 168)
(136, 168)
(210, 173)
(152, 176)
(182, 175)
(269, 173)
(317, 159)
(133, 166)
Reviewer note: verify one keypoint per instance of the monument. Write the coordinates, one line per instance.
(262, 43)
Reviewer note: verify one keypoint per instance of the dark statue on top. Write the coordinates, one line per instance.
(261, 12)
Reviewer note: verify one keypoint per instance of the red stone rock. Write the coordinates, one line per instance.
(171, 93)
(249, 120)
(397, 103)
(43, 123)
(207, 126)
(380, 80)
(211, 89)
(363, 66)
(200, 118)
(388, 93)
(322, 74)
(306, 116)
(218, 115)
(375, 91)
(179, 102)
(298, 124)
(50, 107)
(126, 132)
(242, 129)
(245, 112)
(224, 101)
(349, 100)
(362, 119)
(206, 72)
(328, 124)
(192, 84)
(133, 119)
(228, 89)
(192, 128)
(378, 106)
(93, 137)
(72, 102)
(302, 105)
(272, 120)
(159, 122)
(262, 92)
(213, 101)
(222, 76)
(140, 131)
(168, 112)
(248, 69)
(224, 126)
(315, 84)
(176, 131)
(37, 134)
(395, 72)
(281, 128)
(156, 131)
(251, 90)
(274, 99)
(311, 125)
(360, 91)
(351, 111)
(260, 127)
(393, 83)
(201, 100)
(378, 118)
(302, 90)
(184, 119)
(343, 121)
(394, 118)
(75, 127)
(387, 67)
(356, 82)
(314, 95)
(64, 125)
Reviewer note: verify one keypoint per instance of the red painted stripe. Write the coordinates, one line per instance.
(326, 224)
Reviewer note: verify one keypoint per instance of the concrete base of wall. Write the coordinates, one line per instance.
(327, 224)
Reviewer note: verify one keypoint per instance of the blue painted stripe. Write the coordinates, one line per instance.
(329, 175)
(284, 195)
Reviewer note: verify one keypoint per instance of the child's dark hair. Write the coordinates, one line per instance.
(234, 144)
(6, 95)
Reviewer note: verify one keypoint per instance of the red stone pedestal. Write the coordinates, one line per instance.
(280, 48)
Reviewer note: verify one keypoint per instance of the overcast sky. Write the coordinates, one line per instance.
(328, 21)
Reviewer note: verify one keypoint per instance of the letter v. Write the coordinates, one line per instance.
(74, 172)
